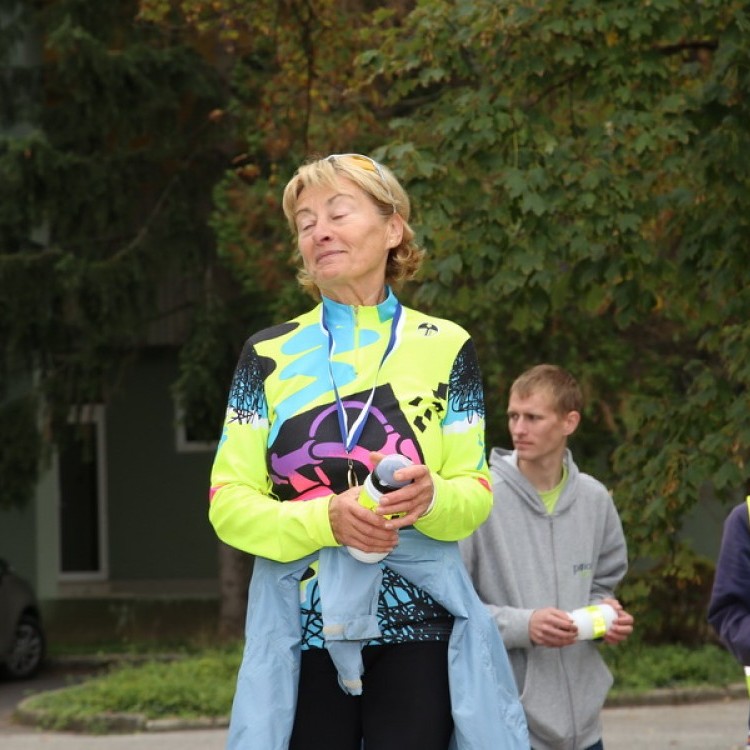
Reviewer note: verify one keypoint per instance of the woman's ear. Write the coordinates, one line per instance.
(395, 231)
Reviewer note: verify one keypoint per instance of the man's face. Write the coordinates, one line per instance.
(539, 432)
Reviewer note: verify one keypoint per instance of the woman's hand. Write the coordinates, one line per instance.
(409, 502)
(356, 526)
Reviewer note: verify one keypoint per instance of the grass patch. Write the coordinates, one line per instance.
(200, 685)
(197, 644)
(638, 668)
(188, 688)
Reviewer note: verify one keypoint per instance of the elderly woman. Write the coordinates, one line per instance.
(395, 654)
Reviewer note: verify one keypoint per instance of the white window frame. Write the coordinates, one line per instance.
(183, 444)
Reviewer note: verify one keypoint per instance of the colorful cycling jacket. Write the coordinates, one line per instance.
(281, 455)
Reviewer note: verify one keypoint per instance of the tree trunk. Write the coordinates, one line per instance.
(235, 568)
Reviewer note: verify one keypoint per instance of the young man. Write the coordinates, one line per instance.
(552, 544)
(729, 608)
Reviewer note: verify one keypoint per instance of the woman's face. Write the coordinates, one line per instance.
(344, 241)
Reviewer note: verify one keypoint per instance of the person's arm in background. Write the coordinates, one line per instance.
(611, 566)
(729, 607)
(483, 561)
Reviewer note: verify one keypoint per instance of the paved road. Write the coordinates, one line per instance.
(715, 725)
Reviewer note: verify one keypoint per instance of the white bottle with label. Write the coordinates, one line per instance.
(593, 621)
(379, 482)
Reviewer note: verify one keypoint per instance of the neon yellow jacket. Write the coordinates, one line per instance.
(281, 440)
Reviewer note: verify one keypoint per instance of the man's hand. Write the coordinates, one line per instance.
(552, 627)
(622, 627)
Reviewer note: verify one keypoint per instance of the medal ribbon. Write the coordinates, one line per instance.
(350, 435)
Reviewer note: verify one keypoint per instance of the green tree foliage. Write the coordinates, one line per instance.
(579, 173)
(108, 154)
(290, 74)
(22, 448)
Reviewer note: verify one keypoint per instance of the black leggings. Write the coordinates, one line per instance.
(405, 702)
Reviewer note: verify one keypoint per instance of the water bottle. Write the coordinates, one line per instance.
(593, 621)
(379, 482)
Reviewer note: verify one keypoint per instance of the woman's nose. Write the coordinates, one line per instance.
(322, 232)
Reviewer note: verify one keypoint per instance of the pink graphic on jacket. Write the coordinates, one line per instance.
(318, 467)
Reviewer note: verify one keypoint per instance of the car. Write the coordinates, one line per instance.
(22, 639)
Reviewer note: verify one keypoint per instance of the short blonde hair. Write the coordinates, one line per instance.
(385, 191)
(560, 384)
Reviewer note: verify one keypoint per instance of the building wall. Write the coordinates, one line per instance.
(18, 539)
(157, 495)
(158, 538)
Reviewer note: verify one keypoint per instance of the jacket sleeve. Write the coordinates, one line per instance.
(612, 560)
(242, 509)
(482, 564)
(729, 606)
(463, 496)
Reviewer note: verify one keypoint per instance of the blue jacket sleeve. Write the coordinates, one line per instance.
(729, 607)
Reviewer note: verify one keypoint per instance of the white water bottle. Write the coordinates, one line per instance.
(379, 482)
(593, 621)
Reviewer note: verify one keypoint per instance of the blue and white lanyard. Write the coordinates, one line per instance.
(350, 435)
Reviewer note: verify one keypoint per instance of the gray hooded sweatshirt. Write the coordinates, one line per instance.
(523, 558)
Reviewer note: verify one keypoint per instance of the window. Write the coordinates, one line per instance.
(187, 441)
(83, 507)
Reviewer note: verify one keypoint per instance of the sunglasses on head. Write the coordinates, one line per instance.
(369, 165)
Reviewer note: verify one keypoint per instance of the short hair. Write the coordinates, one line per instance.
(385, 191)
(559, 383)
